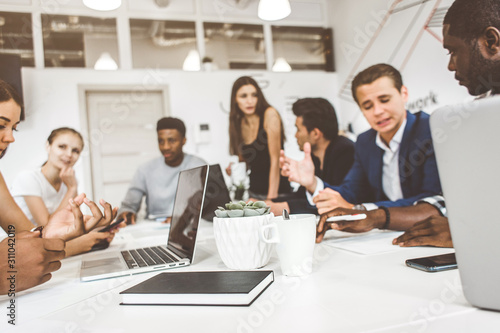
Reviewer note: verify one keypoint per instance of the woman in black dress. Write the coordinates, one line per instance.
(256, 135)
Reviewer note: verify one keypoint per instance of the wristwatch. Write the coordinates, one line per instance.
(359, 207)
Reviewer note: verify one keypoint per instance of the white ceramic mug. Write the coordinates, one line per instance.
(295, 239)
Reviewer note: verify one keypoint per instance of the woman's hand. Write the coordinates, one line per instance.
(228, 169)
(70, 222)
(85, 243)
(68, 177)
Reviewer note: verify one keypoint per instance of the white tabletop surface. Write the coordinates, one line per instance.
(348, 291)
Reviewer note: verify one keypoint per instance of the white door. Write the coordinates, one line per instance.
(121, 136)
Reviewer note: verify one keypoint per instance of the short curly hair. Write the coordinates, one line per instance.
(469, 18)
(171, 123)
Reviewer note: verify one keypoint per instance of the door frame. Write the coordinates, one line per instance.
(83, 89)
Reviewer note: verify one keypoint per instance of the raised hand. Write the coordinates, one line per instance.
(70, 222)
(301, 172)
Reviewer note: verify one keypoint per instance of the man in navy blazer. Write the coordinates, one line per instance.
(394, 162)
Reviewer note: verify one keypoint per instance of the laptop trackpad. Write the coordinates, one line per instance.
(108, 262)
(102, 266)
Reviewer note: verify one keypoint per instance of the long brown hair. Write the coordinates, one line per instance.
(7, 92)
(236, 115)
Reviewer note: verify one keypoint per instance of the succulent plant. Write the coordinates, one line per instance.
(243, 209)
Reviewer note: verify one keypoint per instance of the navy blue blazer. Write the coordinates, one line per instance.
(417, 167)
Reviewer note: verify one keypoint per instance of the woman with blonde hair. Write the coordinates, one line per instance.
(43, 192)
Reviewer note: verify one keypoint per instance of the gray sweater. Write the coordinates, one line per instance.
(158, 182)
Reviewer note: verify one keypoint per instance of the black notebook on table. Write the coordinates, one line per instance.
(237, 288)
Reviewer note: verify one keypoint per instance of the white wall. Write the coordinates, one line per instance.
(425, 72)
(52, 100)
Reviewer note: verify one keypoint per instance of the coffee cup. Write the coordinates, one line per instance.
(295, 240)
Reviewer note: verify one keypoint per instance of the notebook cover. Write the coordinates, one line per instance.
(206, 288)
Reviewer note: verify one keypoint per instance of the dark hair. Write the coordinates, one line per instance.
(7, 92)
(171, 123)
(469, 18)
(373, 73)
(236, 115)
(61, 130)
(317, 113)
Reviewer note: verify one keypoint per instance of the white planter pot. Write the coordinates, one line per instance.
(238, 241)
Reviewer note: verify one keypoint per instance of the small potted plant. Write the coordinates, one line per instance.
(237, 234)
(207, 63)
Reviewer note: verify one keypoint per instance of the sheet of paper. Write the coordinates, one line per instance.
(372, 242)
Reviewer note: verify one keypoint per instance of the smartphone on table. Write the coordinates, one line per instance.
(437, 263)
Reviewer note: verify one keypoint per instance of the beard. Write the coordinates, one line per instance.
(484, 73)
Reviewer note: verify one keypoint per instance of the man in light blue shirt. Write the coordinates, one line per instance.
(157, 179)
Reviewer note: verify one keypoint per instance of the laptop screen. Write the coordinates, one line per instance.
(187, 211)
(216, 193)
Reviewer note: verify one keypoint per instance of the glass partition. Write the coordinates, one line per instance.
(80, 41)
(163, 44)
(234, 46)
(302, 48)
(16, 36)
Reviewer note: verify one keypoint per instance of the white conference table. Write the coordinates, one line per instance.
(346, 292)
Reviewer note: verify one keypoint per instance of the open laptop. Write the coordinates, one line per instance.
(216, 193)
(180, 247)
(466, 140)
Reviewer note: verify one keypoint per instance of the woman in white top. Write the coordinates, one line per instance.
(43, 192)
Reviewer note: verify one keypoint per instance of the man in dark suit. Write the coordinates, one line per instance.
(394, 162)
(332, 154)
(471, 34)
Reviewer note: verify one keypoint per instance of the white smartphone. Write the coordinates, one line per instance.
(353, 217)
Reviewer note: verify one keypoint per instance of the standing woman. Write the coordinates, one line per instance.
(256, 135)
(43, 192)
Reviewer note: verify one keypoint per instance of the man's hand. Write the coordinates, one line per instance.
(128, 217)
(36, 258)
(277, 207)
(301, 172)
(328, 199)
(434, 231)
(374, 219)
(70, 223)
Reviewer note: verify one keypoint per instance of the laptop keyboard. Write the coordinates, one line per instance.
(148, 256)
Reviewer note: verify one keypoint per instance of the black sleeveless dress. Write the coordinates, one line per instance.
(256, 154)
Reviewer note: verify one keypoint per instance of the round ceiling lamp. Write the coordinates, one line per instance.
(273, 10)
(102, 5)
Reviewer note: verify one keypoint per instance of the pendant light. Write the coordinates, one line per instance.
(192, 62)
(105, 62)
(273, 10)
(102, 5)
(281, 65)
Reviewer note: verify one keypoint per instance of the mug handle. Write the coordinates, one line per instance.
(275, 239)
